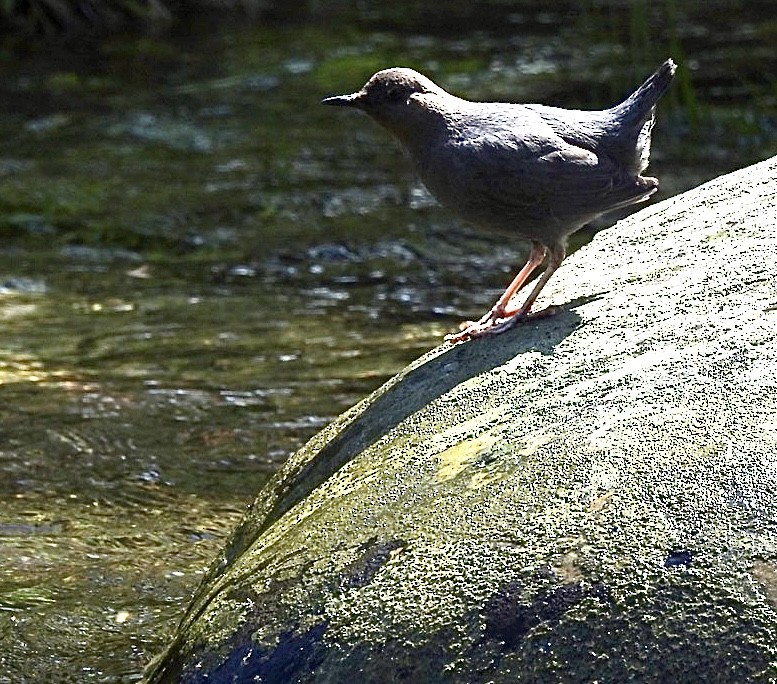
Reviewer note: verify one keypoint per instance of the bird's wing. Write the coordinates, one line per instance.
(604, 132)
(533, 174)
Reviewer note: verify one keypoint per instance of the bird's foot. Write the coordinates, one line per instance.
(472, 329)
(489, 325)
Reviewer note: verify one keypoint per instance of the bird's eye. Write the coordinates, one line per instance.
(396, 95)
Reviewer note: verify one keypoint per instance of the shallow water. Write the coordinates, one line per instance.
(200, 267)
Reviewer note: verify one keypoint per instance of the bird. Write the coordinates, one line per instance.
(533, 171)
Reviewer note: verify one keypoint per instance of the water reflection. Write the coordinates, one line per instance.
(200, 267)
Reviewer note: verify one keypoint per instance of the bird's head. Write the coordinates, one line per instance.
(395, 98)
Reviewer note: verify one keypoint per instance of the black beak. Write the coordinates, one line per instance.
(352, 100)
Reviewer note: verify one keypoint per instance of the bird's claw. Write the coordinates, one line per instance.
(488, 325)
(485, 326)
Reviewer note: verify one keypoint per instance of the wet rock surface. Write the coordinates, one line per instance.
(590, 496)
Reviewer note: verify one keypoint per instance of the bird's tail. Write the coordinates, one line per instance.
(638, 107)
(632, 120)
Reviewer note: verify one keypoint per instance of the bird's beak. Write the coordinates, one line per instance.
(352, 100)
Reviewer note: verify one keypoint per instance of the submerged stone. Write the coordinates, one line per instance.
(590, 496)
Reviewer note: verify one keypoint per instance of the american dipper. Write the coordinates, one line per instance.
(534, 171)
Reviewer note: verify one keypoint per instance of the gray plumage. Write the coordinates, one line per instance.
(533, 171)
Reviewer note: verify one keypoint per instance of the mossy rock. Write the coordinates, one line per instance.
(588, 497)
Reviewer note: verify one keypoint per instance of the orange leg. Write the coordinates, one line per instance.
(499, 310)
(557, 254)
(500, 317)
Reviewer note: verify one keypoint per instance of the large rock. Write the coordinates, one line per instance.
(589, 497)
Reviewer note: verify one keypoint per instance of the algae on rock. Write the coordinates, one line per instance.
(587, 497)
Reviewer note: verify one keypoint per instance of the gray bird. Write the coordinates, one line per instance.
(534, 171)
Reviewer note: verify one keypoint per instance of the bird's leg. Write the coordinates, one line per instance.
(507, 318)
(557, 254)
(499, 311)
